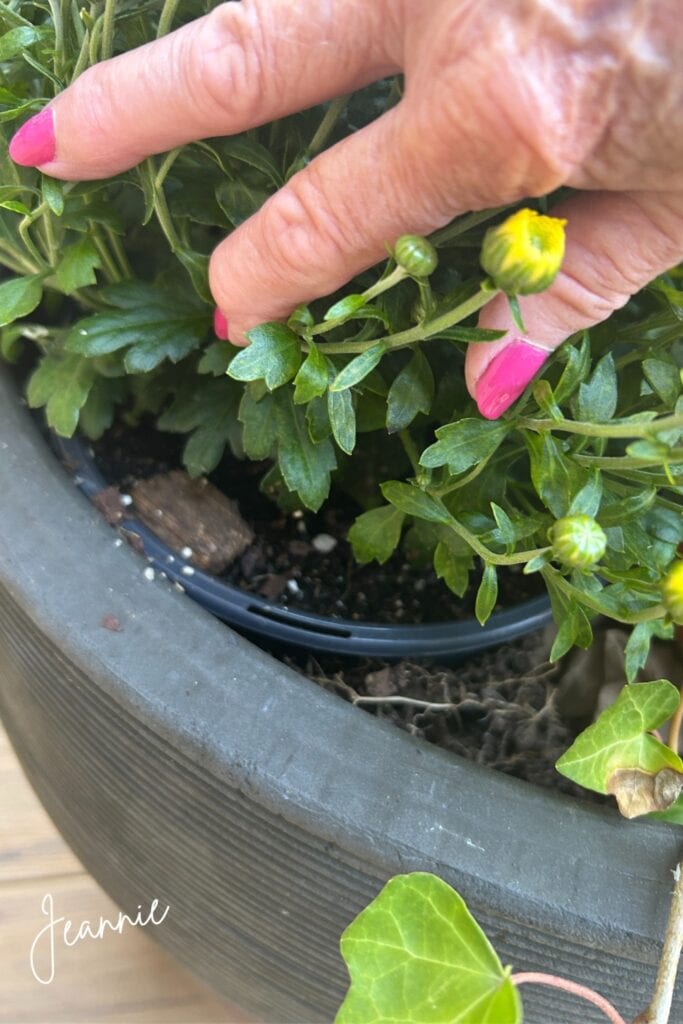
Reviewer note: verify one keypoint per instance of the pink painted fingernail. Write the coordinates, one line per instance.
(506, 376)
(220, 325)
(34, 144)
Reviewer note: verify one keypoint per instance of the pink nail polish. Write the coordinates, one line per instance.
(506, 376)
(220, 325)
(34, 144)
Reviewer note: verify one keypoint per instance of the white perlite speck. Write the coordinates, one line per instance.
(186, 552)
(149, 573)
(187, 570)
(126, 500)
(324, 543)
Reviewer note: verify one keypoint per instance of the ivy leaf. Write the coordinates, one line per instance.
(598, 397)
(374, 535)
(359, 368)
(462, 444)
(342, 419)
(416, 954)
(487, 594)
(273, 355)
(76, 268)
(621, 737)
(305, 465)
(313, 376)
(61, 383)
(414, 502)
(18, 297)
(412, 392)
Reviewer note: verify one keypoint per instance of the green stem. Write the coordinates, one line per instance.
(490, 556)
(385, 283)
(410, 449)
(24, 225)
(657, 611)
(15, 260)
(108, 25)
(59, 53)
(441, 492)
(615, 462)
(50, 242)
(617, 429)
(326, 126)
(419, 333)
(119, 253)
(83, 59)
(168, 12)
(463, 224)
(165, 221)
(95, 41)
(110, 269)
(165, 166)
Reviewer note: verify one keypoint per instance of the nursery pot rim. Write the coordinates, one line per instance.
(259, 618)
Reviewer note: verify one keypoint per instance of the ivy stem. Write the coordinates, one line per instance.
(660, 1007)
(324, 129)
(418, 333)
(168, 12)
(675, 727)
(603, 429)
(537, 978)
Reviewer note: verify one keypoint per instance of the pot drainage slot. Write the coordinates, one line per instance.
(308, 626)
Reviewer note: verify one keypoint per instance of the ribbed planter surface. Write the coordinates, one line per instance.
(181, 763)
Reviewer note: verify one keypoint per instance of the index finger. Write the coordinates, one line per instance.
(242, 65)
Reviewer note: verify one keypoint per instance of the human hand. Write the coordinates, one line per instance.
(502, 101)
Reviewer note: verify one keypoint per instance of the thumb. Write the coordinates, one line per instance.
(616, 244)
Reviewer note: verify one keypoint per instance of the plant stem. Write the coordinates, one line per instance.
(384, 284)
(536, 978)
(110, 269)
(410, 449)
(657, 611)
(675, 727)
(330, 118)
(491, 556)
(24, 225)
(418, 333)
(166, 17)
(165, 166)
(660, 1007)
(108, 25)
(463, 224)
(603, 429)
(120, 253)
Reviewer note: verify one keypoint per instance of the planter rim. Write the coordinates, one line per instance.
(396, 803)
(307, 630)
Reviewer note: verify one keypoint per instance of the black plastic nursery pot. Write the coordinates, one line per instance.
(184, 764)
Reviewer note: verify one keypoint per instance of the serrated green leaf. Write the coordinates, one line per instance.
(216, 359)
(411, 393)
(664, 378)
(305, 465)
(76, 268)
(576, 370)
(454, 570)
(18, 297)
(247, 150)
(374, 535)
(273, 355)
(358, 368)
(61, 383)
(620, 738)
(598, 397)
(318, 420)
(555, 477)
(487, 594)
(416, 955)
(342, 419)
(239, 200)
(414, 502)
(313, 376)
(462, 444)
(259, 434)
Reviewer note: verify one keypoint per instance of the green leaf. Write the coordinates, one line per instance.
(414, 502)
(508, 533)
(18, 297)
(247, 150)
(76, 268)
(156, 325)
(575, 629)
(374, 535)
(53, 195)
(470, 334)
(416, 955)
(462, 444)
(487, 594)
(411, 393)
(452, 568)
(598, 397)
(358, 368)
(619, 511)
(587, 501)
(621, 737)
(61, 383)
(313, 377)
(216, 359)
(239, 200)
(664, 378)
(637, 649)
(345, 308)
(273, 355)
(342, 419)
(305, 465)
(259, 434)
(205, 408)
(555, 477)
(513, 303)
(97, 415)
(14, 41)
(577, 369)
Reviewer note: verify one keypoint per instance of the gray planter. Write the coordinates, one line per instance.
(181, 763)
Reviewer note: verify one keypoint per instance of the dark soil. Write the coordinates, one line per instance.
(301, 559)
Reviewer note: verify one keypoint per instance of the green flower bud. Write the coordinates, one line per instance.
(524, 253)
(416, 255)
(672, 592)
(578, 541)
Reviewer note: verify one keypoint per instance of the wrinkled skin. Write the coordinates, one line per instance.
(504, 99)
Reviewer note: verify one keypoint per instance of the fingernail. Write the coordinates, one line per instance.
(220, 325)
(34, 144)
(506, 376)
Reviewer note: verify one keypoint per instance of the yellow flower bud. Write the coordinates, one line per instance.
(672, 592)
(524, 253)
